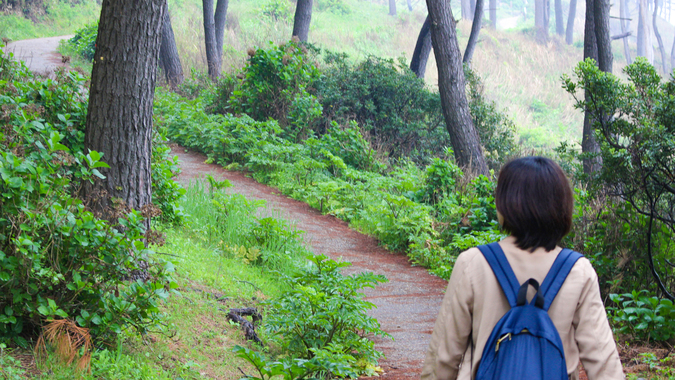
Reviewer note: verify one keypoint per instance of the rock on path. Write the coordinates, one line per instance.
(407, 305)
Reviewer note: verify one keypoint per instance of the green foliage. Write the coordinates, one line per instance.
(321, 324)
(396, 111)
(275, 85)
(277, 10)
(84, 41)
(338, 7)
(57, 260)
(643, 317)
(635, 127)
(10, 368)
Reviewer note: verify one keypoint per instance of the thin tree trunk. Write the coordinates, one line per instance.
(625, 24)
(303, 17)
(644, 40)
(475, 31)
(169, 60)
(219, 19)
(452, 88)
(559, 23)
(418, 64)
(119, 118)
(493, 14)
(210, 43)
(588, 143)
(602, 37)
(410, 7)
(569, 32)
(540, 23)
(392, 7)
(473, 8)
(672, 54)
(662, 48)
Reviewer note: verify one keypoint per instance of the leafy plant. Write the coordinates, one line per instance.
(643, 316)
(84, 41)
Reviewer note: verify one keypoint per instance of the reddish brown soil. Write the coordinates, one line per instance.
(406, 306)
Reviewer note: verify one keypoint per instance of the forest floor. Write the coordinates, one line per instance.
(406, 306)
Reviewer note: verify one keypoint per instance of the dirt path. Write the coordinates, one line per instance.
(406, 306)
(39, 54)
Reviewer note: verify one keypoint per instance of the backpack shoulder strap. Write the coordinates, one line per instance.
(557, 274)
(494, 255)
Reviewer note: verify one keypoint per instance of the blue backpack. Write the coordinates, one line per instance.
(525, 344)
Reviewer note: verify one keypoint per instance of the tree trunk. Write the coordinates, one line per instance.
(473, 7)
(569, 33)
(392, 7)
(540, 23)
(475, 31)
(119, 118)
(212, 57)
(219, 20)
(559, 23)
(602, 37)
(662, 48)
(410, 7)
(588, 142)
(625, 25)
(493, 14)
(168, 55)
(644, 38)
(467, 14)
(418, 64)
(452, 88)
(303, 17)
(672, 54)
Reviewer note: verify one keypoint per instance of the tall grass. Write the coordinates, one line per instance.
(59, 17)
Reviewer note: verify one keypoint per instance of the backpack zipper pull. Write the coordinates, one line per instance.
(501, 340)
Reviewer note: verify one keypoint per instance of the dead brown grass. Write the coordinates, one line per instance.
(69, 342)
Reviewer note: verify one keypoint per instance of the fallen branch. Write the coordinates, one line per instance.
(622, 35)
(236, 315)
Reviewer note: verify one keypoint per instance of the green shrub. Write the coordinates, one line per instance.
(278, 10)
(57, 260)
(322, 320)
(84, 41)
(642, 316)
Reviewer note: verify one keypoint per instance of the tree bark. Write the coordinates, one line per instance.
(662, 48)
(569, 33)
(540, 22)
(559, 23)
(392, 7)
(602, 37)
(210, 42)
(418, 64)
(625, 24)
(475, 31)
(672, 54)
(119, 118)
(219, 19)
(303, 17)
(452, 88)
(169, 60)
(588, 142)
(493, 14)
(467, 14)
(644, 40)
(410, 7)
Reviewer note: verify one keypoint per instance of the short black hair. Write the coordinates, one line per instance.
(535, 199)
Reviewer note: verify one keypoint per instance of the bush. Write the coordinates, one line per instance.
(642, 316)
(57, 260)
(84, 41)
(322, 319)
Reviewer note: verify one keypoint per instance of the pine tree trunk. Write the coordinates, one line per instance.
(559, 23)
(410, 7)
(662, 48)
(588, 142)
(452, 88)
(219, 19)
(210, 42)
(392, 7)
(625, 25)
(569, 32)
(418, 64)
(493, 14)
(475, 31)
(169, 60)
(303, 17)
(672, 54)
(119, 118)
(602, 37)
(540, 23)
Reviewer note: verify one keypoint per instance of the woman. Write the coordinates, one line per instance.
(535, 206)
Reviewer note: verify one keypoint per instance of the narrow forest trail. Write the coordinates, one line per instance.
(39, 54)
(406, 306)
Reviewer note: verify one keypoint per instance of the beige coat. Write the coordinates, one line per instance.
(475, 302)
